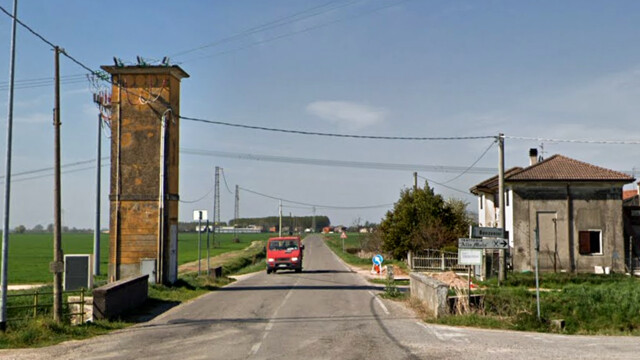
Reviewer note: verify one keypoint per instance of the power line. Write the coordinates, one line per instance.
(338, 163)
(443, 185)
(295, 17)
(352, 136)
(578, 141)
(225, 181)
(472, 165)
(301, 31)
(200, 199)
(316, 205)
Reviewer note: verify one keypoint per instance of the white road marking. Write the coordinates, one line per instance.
(384, 308)
(452, 334)
(256, 346)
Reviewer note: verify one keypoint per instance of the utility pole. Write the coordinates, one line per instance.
(313, 220)
(415, 181)
(502, 275)
(96, 231)
(216, 204)
(57, 265)
(236, 212)
(7, 178)
(280, 224)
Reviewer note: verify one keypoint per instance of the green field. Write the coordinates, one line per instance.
(31, 253)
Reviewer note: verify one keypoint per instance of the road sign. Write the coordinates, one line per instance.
(470, 256)
(479, 231)
(466, 243)
(377, 260)
(199, 215)
(343, 235)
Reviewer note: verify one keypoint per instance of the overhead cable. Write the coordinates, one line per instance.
(340, 163)
(472, 165)
(295, 17)
(352, 136)
(443, 185)
(578, 141)
(315, 205)
(304, 30)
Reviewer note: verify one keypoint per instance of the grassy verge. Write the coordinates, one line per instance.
(42, 331)
(354, 241)
(589, 305)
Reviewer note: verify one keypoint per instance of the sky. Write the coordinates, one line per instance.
(542, 73)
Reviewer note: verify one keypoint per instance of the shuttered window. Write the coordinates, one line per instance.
(590, 242)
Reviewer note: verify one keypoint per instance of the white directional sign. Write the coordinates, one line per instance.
(470, 256)
(479, 231)
(466, 243)
(199, 215)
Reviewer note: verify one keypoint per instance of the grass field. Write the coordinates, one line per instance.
(30, 254)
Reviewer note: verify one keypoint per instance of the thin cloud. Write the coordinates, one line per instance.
(349, 115)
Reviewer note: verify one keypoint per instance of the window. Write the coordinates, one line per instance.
(590, 242)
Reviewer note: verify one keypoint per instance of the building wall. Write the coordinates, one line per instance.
(141, 96)
(562, 211)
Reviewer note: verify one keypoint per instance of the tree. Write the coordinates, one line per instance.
(38, 228)
(420, 220)
(20, 229)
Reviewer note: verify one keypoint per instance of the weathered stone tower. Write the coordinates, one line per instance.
(145, 129)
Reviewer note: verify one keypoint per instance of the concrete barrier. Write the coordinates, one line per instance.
(120, 296)
(431, 292)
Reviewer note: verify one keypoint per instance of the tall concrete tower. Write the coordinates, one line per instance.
(145, 139)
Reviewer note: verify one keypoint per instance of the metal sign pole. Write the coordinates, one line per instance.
(199, 240)
(208, 256)
(537, 265)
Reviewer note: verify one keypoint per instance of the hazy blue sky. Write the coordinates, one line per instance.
(536, 69)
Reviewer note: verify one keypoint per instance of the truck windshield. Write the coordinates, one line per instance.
(283, 245)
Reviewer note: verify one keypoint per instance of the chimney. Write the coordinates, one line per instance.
(533, 156)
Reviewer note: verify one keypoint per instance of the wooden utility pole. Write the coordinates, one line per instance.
(502, 274)
(57, 265)
(415, 181)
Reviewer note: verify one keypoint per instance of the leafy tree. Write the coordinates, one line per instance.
(38, 228)
(421, 219)
(20, 229)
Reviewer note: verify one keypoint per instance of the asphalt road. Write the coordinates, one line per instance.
(325, 312)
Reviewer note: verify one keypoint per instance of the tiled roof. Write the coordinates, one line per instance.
(555, 168)
(491, 184)
(562, 168)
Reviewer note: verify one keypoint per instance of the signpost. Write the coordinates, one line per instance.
(479, 232)
(470, 250)
(200, 215)
(343, 236)
(469, 243)
(470, 256)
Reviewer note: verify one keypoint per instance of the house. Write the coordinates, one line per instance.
(575, 207)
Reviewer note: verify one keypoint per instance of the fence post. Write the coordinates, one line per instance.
(81, 306)
(410, 260)
(442, 267)
(35, 303)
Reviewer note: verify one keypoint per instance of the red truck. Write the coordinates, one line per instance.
(284, 253)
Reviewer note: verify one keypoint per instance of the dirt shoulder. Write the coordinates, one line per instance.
(218, 260)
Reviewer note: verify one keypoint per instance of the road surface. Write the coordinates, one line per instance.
(325, 312)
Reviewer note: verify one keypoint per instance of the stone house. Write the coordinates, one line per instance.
(576, 207)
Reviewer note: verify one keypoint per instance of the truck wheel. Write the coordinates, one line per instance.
(268, 271)
(298, 270)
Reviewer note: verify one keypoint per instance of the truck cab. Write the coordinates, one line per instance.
(284, 253)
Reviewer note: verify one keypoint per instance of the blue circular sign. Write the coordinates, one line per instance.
(377, 260)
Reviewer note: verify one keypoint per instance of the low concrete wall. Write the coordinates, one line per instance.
(431, 292)
(120, 296)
